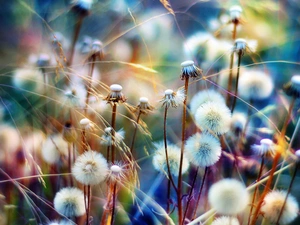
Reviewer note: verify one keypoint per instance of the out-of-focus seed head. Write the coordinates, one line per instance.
(292, 88)
(235, 14)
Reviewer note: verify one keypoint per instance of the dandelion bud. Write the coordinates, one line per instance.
(188, 69)
(235, 13)
(273, 203)
(115, 95)
(69, 202)
(228, 197)
(82, 7)
(240, 46)
(293, 87)
(172, 98)
(43, 60)
(69, 133)
(144, 106)
(266, 146)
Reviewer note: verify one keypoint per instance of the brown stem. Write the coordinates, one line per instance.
(75, 37)
(179, 185)
(234, 30)
(134, 132)
(256, 188)
(200, 192)
(107, 153)
(113, 133)
(70, 163)
(89, 80)
(166, 149)
(114, 204)
(88, 206)
(84, 141)
(190, 195)
(229, 84)
(288, 191)
(237, 82)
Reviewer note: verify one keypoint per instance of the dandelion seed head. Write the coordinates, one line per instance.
(273, 203)
(43, 60)
(69, 202)
(205, 96)
(172, 98)
(53, 148)
(28, 79)
(203, 149)
(117, 172)
(256, 85)
(228, 196)
(225, 220)
(213, 116)
(106, 138)
(266, 146)
(144, 106)
(188, 69)
(238, 122)
(83, 6)
(53, 223)
(292, 88)
(90, 168)
(160, 163)
(86, 124)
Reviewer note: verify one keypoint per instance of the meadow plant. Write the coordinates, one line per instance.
(210, 112)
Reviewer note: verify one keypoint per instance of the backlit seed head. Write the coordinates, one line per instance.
(188, 69)
(144, 106)
(266, 146)
(240, 46)
(225, 220)
(235, 13)
(173, 98)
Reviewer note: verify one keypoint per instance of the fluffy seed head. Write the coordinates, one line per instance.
(203, 149)
(228, 196)
(292, 88)
(86, 124)
(238, 122)
(28, 79)
(69, 202)
(213, 116)
(225, 220)
(117, 172)
(256, 85)
(106, 138)
(188, 69)
(53, 148)
(160, 163)
(172, 98)
(90, 168)
(205, 96)
(273, 203)
(240, 46)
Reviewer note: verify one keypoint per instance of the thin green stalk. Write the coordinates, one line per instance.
(179, 186)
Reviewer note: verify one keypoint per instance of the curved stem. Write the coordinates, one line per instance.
(179, 186)
(190, 196)
(237, 82)
(135, 131)
(200, 192)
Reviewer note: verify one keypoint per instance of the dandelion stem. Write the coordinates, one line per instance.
(200, 192)
(135, 131)
(75, 37)
(113, 133)
(256, 188)
(237, 82)
(89, 80)
(88, 204)
(84, 140)
(166, 149)
(114, 204)
(229, 84)
(286, 121)
(190, 194)
(179, 186)
(288, 191)
(70, 163)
